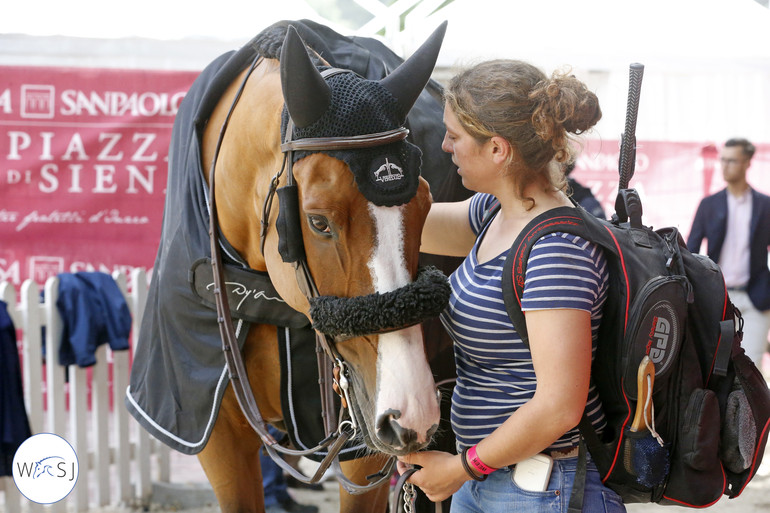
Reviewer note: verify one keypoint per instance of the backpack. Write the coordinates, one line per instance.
(711, 404)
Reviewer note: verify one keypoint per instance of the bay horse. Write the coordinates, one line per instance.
(313, 184)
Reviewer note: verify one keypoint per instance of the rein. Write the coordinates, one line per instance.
(338, 431)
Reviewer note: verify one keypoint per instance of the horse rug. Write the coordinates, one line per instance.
(179, 373)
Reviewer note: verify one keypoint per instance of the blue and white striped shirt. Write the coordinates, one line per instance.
(495, 375)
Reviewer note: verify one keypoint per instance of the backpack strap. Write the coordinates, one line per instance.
(575, 504)
(578, 222)
(489, 213)
(560, 219)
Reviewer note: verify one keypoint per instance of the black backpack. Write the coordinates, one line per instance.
(711, 403)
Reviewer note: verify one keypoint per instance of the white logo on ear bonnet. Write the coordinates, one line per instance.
(388, 172)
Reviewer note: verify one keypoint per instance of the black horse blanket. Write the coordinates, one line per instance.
(179, 373)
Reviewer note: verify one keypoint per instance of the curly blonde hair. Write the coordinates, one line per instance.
(537, 115)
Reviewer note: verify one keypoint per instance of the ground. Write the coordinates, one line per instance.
(186, 471)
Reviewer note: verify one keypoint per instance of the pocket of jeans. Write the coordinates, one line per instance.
(531, 493)
(612, 502)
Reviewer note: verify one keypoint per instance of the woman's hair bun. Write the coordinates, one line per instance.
(566, 100)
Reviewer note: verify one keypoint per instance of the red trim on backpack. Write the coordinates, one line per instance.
(621, 436)
(701, 506)
(517, 269)
(719, 341)
(625, 278)
(727, 301)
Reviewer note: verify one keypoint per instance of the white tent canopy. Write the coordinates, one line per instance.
(154, 19)
(707, 62)
(605, 34)
(165, 34)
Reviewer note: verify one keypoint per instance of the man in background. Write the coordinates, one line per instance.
(736, 225)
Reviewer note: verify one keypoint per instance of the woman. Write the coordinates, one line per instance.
(509, 129)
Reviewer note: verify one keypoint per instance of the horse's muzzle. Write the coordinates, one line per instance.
(391, 433)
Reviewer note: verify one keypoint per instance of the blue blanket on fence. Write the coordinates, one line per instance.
(14, 425)
(93, 312)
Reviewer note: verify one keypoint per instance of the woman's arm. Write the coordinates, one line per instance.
(447, 230)
(560, 343)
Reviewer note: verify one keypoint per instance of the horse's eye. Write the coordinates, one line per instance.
(320, 224)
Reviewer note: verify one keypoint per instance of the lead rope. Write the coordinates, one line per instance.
(409, 494)
(404, 495)
(409, 497)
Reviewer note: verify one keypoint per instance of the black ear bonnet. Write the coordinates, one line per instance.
(386, 175)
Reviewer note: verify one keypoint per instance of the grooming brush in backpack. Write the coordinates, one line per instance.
(646, 454)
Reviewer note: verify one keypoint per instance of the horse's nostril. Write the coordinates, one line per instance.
(391, 433)
(432, 431)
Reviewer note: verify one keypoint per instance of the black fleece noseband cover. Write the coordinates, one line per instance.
(411, 304)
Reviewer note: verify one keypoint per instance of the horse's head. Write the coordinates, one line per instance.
(354, 213)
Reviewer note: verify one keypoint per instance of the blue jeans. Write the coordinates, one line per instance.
(499, 494)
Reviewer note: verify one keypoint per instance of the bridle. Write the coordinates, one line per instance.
(332, 369)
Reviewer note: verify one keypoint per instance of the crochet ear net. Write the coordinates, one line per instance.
(308, 98)
(408, 80)
(305, 92)
(307, 95)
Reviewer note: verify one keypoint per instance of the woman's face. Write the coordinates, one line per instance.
(473, 163)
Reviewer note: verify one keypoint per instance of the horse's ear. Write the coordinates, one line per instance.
(408, 80)
(305, 92)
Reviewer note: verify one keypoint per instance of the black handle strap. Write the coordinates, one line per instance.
(628, 143)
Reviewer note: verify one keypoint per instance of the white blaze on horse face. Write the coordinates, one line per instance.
(387, 266)
(405, 386)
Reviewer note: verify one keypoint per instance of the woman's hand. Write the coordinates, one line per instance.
(441, 475)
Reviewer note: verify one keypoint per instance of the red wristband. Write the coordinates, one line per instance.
(477, 463)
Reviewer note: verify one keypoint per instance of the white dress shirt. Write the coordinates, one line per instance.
(734, 259)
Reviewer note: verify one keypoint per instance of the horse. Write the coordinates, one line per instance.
(313, 186)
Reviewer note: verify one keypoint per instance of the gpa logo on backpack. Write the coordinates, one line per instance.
(663, 336)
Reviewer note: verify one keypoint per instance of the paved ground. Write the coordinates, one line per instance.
(191, 493)
(186, 472)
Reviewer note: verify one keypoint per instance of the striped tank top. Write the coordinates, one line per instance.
(495, 375)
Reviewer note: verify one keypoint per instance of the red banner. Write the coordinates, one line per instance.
(83, 156)
(671, 177)
(83, 167)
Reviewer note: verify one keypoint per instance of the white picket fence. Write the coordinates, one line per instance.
(118, 460)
